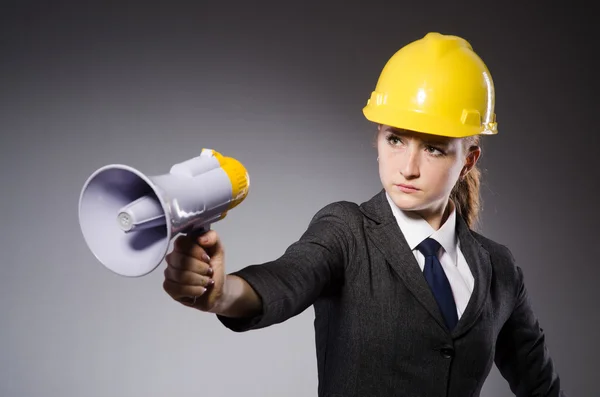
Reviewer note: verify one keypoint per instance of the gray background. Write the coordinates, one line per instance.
(280, 87)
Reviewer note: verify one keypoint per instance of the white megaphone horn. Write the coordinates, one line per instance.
(128, 219)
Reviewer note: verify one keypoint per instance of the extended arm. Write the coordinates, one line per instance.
(288, 285)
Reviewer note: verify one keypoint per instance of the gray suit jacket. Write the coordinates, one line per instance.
(378, 329)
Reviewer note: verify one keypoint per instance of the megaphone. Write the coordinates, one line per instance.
(128, 219)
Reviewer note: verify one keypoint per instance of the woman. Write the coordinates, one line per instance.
(408, 299)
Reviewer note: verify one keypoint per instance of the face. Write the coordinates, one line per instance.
(419, 170)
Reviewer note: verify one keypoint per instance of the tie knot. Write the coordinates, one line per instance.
(429, 247)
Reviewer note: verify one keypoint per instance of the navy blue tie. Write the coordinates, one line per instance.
(437, 280)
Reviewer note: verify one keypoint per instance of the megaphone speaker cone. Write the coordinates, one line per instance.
(108, 191)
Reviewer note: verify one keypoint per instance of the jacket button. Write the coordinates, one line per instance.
(447, 352)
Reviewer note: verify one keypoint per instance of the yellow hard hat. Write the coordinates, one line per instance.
(435, 85)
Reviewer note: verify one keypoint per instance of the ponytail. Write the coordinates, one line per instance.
(466, 192)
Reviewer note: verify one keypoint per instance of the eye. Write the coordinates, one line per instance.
(393, 139)
(435, 151)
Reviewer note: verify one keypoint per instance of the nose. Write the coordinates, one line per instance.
(410, 167)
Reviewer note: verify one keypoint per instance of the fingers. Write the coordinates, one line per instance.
(185, 275)
(189, 272)
(208, 243)
(188, 245)
(187, 278)
(212, 244)
(179, 292)
(208, 239)
(185, 262)
(182, 284)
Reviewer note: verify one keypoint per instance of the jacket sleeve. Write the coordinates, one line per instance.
(522, 356)
(291, 283)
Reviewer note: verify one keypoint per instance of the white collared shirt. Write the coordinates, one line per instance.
(416, 229)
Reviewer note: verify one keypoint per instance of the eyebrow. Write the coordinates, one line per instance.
(429, 139)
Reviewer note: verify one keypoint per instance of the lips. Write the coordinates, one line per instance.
(407, 186)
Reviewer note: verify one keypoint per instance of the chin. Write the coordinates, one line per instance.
(408, 202)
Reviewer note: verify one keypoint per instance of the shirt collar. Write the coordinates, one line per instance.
(416, 229)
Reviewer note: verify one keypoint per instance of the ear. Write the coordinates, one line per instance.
(470, 161)
(376, 136)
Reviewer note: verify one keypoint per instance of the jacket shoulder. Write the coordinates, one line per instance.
(346, 210)
(493, 247)
(501, 256)
(341, 217)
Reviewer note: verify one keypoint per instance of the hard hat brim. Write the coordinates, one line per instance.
(421, 122)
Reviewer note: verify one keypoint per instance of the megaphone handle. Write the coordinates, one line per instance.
(199, 231)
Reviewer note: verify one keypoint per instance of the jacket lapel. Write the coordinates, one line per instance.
(385, 233)
(478, 259)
